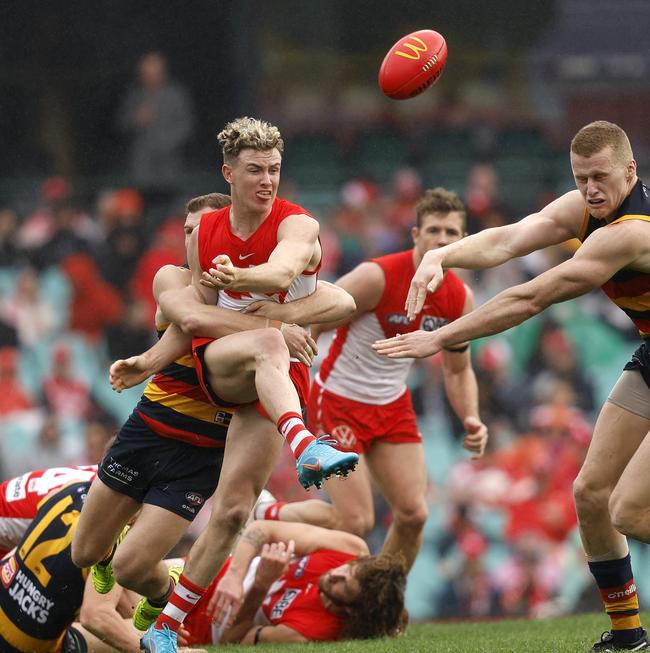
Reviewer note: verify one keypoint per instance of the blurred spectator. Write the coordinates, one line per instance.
(469, 592)
(481, 195)
(64, 394)
(9, 252)
(528, 579)
(98, 433)
(133, 334)
(66, 238)
(407, 190)
(31, 314)
(168, 248)
(95, 304)
(157, 115)
(13, 396)
(119, 217)
(557, 359)
(49, 450)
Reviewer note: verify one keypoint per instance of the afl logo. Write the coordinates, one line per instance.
(194, 498)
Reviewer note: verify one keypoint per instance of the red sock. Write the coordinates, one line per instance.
(186, 595)
(295, 432)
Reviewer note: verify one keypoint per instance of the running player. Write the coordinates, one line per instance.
(277, 242)
(362, 399)
(610, 214)
(175, 423)
(20, 496)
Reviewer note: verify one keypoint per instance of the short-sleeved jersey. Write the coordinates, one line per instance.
(293, 600)
(352, 368)
(41, 590)
(628, 289)
(173, 405)
(216, 237)
(20, 496)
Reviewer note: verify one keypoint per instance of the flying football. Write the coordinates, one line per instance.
(413, 63)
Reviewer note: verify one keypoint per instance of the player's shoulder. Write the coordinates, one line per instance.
(170, 275)
(394, 259)
(284, 208)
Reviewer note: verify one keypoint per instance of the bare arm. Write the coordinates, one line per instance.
(462, 390)
(365, 284)
(99, 615)
(604, 253)
(126, 373)
(328, 303)
(555, 223)
(298, 249)
(277, 633)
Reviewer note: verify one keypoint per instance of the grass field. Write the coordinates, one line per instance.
(566, 635)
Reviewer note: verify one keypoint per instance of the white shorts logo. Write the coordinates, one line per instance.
(345, 435)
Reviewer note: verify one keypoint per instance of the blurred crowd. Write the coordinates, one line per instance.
(75, 294)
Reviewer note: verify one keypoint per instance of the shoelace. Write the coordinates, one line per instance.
(325, 439)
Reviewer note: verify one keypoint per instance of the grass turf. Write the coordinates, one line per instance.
(574, 634)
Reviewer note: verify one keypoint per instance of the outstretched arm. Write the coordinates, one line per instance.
(554, 224)
(462, 390)
(596, 261)
(354, 294)
(328, 303)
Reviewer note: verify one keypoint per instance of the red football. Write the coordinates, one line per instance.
(413, 64)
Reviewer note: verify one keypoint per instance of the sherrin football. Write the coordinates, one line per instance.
(414, 63)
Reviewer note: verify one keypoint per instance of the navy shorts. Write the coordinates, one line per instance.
(164, 472)
(641, 362)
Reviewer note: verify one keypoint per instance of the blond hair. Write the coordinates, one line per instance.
(248, 132)
(438, 200)
(598, 135)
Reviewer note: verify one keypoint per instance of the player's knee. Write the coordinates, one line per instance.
(270, 344)
(357, 523)
(229, 519)
(82, 553)
(412, 517)
(625, 517)
(589, 497)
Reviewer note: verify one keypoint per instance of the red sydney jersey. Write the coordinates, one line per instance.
(19, 498)
(292, 601)
(352, 368)
(216, 237)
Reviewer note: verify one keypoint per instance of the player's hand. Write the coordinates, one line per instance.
(274, 561)
(125, 373)
(267, 308)
(476, 436)
(427, 278)
(300, 344)
(226, 600)
(183, 636)
(417, 344)
(223, 275)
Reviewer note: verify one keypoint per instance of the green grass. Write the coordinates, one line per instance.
(566, 635)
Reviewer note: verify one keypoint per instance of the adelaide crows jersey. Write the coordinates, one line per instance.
(41, 590)
(628, 289)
